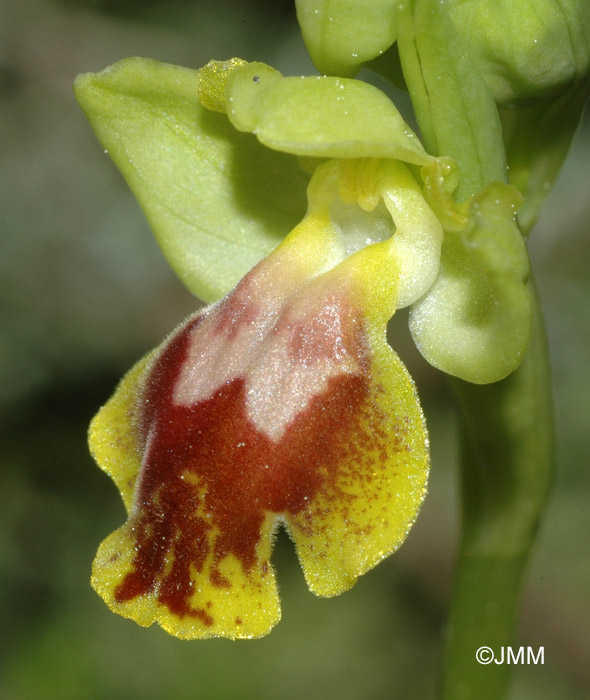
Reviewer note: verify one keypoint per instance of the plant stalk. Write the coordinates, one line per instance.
(506, 475)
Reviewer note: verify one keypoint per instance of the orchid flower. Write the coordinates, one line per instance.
(281, 403)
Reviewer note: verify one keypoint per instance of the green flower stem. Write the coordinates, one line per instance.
(507, 426)
(507, 468)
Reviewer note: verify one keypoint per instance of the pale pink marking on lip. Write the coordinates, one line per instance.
(236, 310)
(285, 332)
(308, 347)
(285, 358)
(232, 333)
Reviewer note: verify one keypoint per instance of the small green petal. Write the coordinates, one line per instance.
(324, 117)
(216, 200)
(341, 35)
(475, 321)
(244, 89)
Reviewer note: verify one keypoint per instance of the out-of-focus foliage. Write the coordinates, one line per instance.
(85, 291)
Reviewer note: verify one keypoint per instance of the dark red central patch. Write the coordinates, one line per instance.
(208, 466)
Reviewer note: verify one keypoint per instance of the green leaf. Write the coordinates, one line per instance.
(323, 117)
(341, 35)
(216, 200)
(475, 321)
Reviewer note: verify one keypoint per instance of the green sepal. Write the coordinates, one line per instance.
(216, 200)
(322, 117)
(342, 35)
(475, 321)
(454, 107)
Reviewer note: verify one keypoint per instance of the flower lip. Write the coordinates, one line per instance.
(280, 404)
(208, 468)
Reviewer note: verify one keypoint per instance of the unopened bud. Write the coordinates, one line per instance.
(528, 49)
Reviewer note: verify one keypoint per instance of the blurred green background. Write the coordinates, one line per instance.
(85, 292)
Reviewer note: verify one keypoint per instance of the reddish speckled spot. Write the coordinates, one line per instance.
(236, 310)
(331, 333)
(219, 580)
(208, 466)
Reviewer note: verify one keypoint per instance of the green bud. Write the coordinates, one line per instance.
(527, 49)
(341, 35)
